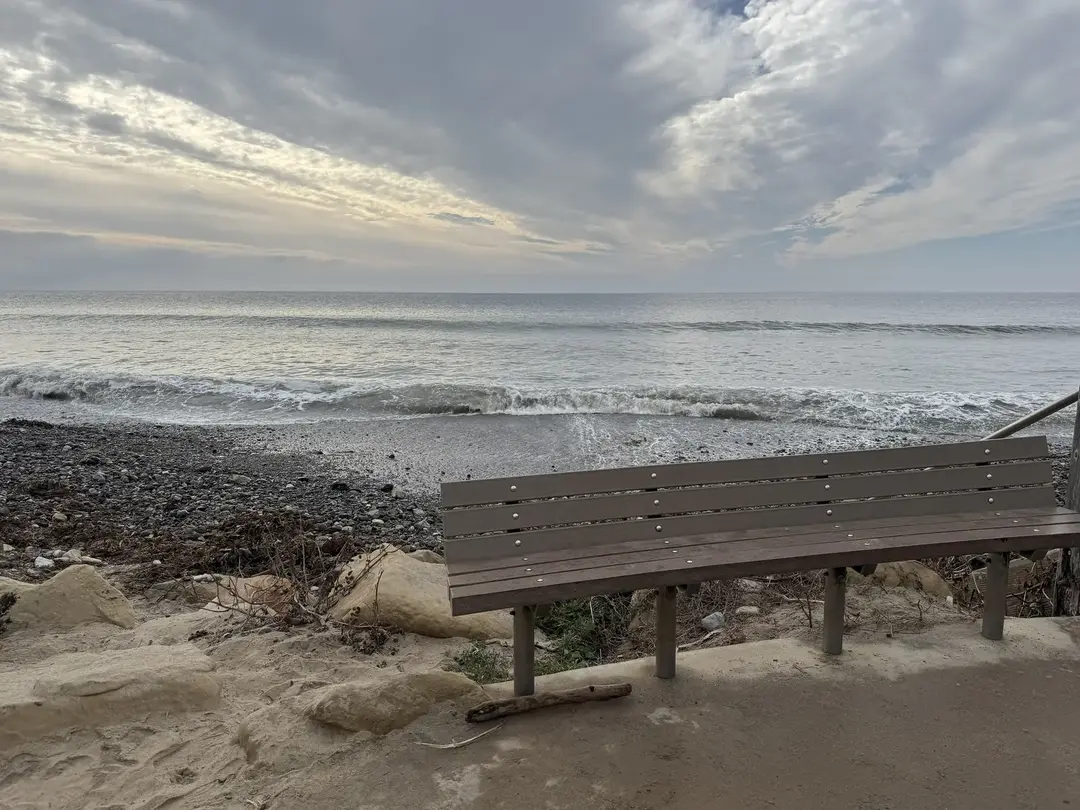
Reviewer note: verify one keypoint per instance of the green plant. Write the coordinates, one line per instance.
(482, 664)
(584, 632)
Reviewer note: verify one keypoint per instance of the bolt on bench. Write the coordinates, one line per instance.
(534, 540)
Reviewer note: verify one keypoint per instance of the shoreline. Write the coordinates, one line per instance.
(134, 492)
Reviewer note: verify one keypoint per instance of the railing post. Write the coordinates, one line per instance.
(1066, 594)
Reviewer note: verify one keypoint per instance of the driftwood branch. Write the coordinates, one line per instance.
(516, 705)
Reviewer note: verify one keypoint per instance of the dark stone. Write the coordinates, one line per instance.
(388, 488)
(339, 486)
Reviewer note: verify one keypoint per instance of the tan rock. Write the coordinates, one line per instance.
(15, 586)
(187, 591)
(75, 596)
(392, 589)
(911, 574)
(424, 555)
(383, 706)
(265, 590)
(92, 690)
(1027, 579)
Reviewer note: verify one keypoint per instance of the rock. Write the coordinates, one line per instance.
(92, 689)
(378, 522)
(15, 586)
(384, 706)
(1023, 574)
(747, 610)
(387, 488)
(239, 479)
(411, 596)
(194, 591)
(6, 549)
(339, 486)
(750, 585)
(424, 555)
(59, 517)
(264, 590)
(74, 596)
(911, 574)
(44, 563)
(714, 621)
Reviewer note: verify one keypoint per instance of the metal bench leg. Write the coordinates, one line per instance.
(835, 592)
(997, 586)
(524, 650)
(665, 632)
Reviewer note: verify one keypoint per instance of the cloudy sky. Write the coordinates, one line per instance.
(562, 144)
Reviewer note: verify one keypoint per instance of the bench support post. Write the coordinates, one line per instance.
(835, 593)
(524, 650)
(665, 632)
(997, 586)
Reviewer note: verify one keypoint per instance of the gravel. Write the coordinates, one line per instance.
(196, 499)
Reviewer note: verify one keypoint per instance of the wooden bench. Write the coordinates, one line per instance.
(533, 540)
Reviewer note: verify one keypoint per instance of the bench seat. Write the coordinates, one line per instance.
(547, 577)
(526, 541)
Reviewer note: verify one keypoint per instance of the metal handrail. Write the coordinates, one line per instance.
(1036, 416)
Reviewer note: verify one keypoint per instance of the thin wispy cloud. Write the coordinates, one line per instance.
(490, 138)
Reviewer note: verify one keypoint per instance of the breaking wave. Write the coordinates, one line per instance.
(173, 398)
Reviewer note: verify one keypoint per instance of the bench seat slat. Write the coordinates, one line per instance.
(739, 496)
(749, 558)
(774, 540)
(494, 546)
(513, 555)
(591, 482)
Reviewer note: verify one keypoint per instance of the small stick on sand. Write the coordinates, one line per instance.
(516, 705)
(461, 744)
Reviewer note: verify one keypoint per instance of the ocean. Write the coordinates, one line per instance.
(948, 364)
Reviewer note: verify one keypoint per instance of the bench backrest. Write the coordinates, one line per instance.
(492, 519)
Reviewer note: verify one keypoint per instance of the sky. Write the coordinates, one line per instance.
(563, 145)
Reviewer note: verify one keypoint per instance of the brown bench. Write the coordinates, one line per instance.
(533, 540)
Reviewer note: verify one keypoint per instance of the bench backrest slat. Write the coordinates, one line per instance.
(740, 496)
(592, 482)
(465, 551)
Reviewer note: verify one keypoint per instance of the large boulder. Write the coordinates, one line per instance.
(384, 706)
(92, 690)
(75, 596)
(389, 588)
(912, 575)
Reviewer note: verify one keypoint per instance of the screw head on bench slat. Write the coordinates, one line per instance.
(524, 559)
(659, 528)
(986, 451)
(517, 542)
(539, 579)
(690, 561)
(656, 503)
(824, 461)
(851, 535)
(828, 486)
(528, 570)
(515, 515)
(513, 487)
(653, 475)
(989, 500)
(989, 475)
(829, 512)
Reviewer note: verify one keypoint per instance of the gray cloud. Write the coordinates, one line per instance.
(617, 132)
